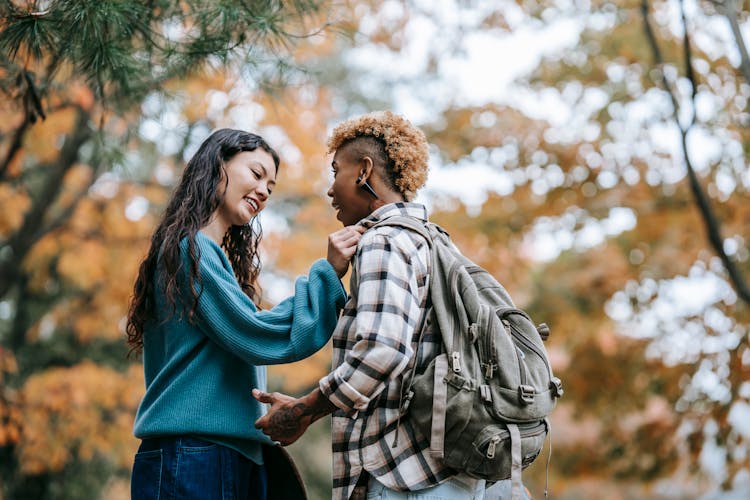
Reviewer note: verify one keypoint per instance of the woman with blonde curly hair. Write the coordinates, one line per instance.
(379, 163)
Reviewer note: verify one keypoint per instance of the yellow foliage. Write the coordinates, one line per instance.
(86, 215)
(14, 167)
(305, 114)
(80, 413)
(316, 47)
(37, 262)
(15, 203)
(10, 418)
(82, 95)
(44, 139)
(86, 266)
(194, 92)
(76, 181)
(101, 318)
(87, 326)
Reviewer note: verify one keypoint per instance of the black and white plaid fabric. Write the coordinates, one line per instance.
(373, 345)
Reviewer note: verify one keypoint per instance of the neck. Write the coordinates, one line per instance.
(385, 198)
(215, 230)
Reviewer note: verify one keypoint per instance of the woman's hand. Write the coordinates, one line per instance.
(341, 247)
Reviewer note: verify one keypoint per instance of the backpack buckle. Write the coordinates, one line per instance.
(556, 385)
(526, 394)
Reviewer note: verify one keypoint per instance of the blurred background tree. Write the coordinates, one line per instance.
(563, 133)
(83, 179)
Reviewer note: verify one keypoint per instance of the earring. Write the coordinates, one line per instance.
(369, 189)
(359, 179)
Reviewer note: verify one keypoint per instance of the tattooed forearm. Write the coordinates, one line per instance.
(319, 405)
(287, 420)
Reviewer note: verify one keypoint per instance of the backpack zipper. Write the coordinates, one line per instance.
(517, 334)
(495, 439)
(530, 345)
(493, 444)
(521, 364)
(487, 359)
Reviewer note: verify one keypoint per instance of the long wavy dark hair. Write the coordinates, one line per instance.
(199, 194)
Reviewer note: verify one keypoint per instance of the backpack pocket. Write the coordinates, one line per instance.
(491, 450)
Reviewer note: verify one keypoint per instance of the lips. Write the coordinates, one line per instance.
(253, 204)
(337, 209)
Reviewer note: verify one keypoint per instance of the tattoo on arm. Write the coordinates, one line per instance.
(287, 420)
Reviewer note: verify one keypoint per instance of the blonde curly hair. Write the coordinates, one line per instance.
(390, 138)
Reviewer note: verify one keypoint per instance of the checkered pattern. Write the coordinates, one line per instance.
(373, 345)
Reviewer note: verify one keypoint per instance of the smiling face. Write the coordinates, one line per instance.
(251, 177)
(350, 200)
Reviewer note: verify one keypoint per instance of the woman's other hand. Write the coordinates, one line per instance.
(341, 247)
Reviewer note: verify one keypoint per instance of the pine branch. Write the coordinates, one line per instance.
(710, 221)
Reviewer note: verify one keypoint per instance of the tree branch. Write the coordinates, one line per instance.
(710, 221)
(728, 9)
(15, 147)
(32, 228)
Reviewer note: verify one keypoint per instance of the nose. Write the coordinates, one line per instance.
(262, 191)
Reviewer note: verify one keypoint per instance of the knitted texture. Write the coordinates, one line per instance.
(199, 375)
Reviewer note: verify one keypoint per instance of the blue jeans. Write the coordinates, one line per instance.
(184, 467)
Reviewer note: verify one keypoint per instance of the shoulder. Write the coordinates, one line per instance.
(206, 251)
(392, 240)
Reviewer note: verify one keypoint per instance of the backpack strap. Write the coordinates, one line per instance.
(406, 394)
(515, 467)
(411, 223)
(429, 231)
(439, 407)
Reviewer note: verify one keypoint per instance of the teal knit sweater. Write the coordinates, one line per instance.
(199, 375)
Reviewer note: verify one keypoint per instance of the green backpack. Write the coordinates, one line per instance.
(484, 400)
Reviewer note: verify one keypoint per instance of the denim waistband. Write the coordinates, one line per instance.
(172, 442)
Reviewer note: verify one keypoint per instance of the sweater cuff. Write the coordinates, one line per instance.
(328, 274)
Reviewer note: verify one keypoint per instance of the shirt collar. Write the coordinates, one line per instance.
(403, 208)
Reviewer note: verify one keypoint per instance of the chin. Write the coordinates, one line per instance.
(244, 221)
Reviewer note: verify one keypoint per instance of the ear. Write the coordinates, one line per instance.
(365, 170)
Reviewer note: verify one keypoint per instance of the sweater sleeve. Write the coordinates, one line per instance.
(293, 330)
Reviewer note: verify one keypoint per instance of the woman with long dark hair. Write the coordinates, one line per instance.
(194, 316)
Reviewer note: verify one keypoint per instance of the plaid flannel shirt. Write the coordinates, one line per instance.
(373, 345)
